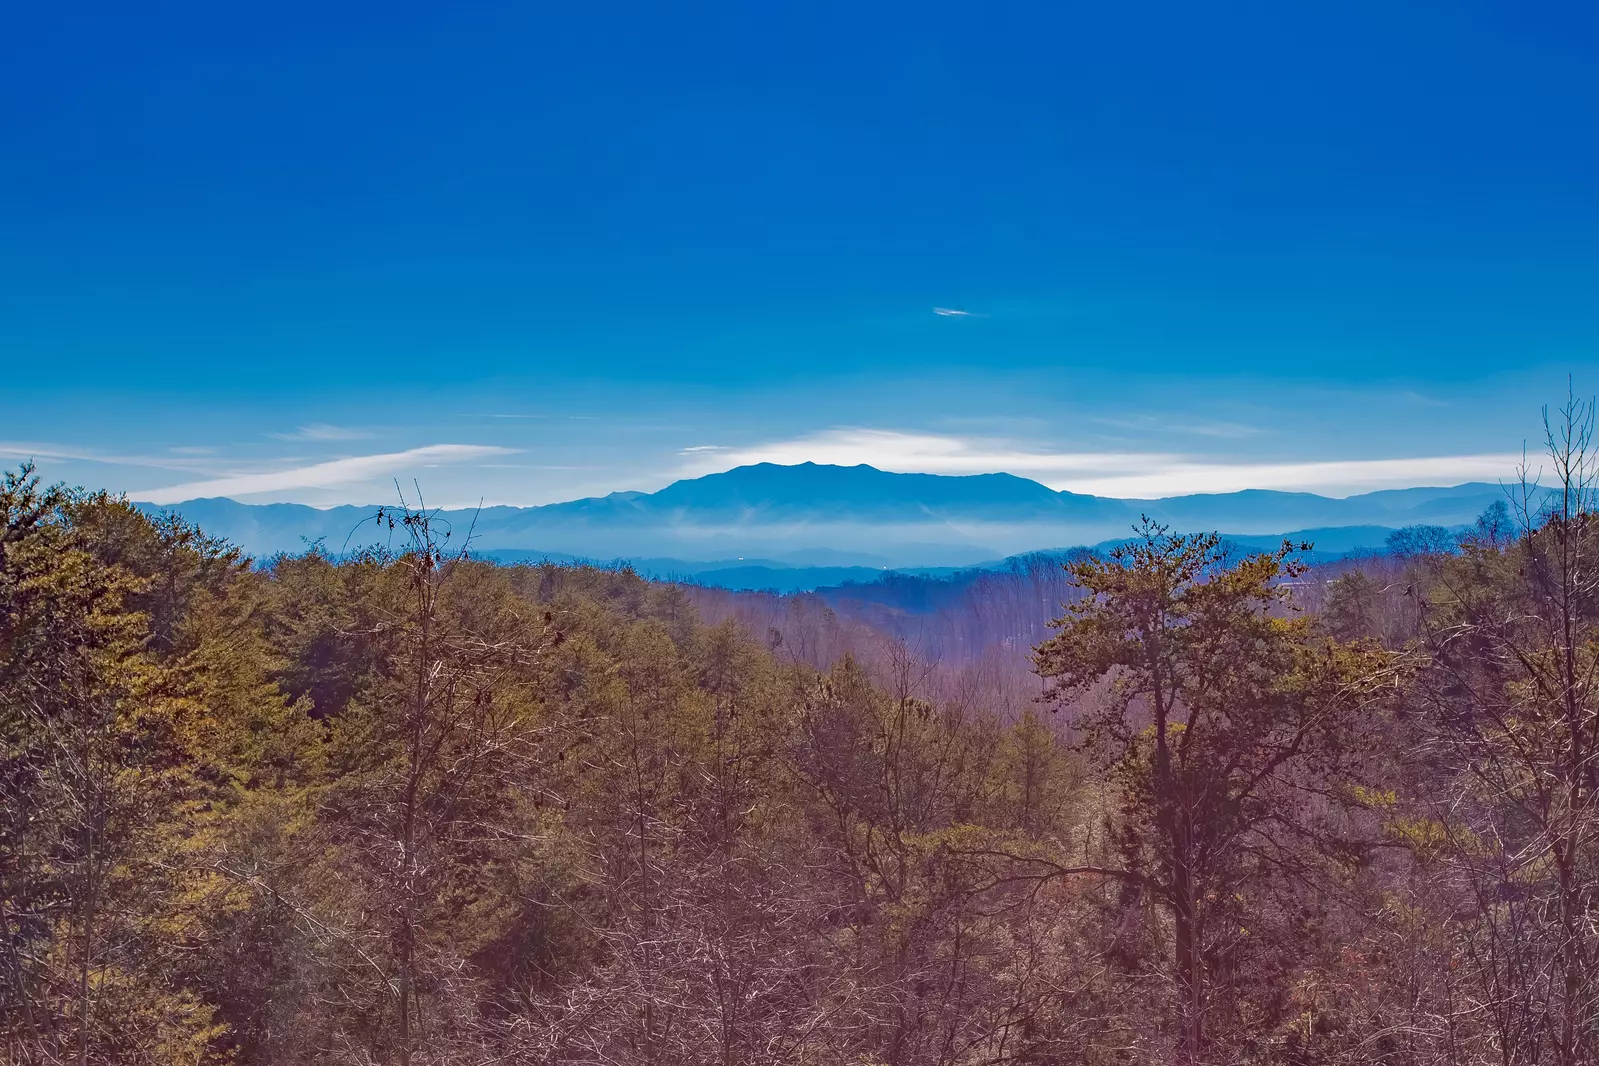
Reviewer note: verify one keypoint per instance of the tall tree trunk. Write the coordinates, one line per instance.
(1569, 839)
(88, 948)
(1189, 961)
(417, 739)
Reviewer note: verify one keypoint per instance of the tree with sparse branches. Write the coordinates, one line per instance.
(1227, 725)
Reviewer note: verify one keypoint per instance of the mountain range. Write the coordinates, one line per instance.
(858, 518)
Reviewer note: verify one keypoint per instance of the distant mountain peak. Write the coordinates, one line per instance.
(820, 510)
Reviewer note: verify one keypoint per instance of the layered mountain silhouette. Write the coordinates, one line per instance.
(839, 517)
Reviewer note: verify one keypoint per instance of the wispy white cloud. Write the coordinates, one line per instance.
(12, 449)
(1417, 398)
(1158, 424)
(700, 448)
(920, 452)
(1333, 478)
(191, 460)
(951, 312)
(1106, 473)
(1007, 423)
(322, 431)
(323, 475)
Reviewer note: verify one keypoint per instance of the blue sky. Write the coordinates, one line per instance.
(525, 252)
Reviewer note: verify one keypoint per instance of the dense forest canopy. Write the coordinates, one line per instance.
(413, 807)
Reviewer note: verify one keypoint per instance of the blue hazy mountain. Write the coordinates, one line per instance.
(857, 518)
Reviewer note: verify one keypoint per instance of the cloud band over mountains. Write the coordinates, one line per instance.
(1104, 472)
(1132, 475)
(324, 475)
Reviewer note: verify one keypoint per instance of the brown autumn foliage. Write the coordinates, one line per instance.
(410, 807)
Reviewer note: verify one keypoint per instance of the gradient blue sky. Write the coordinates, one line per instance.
(525, 252)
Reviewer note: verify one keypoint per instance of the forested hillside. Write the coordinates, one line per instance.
(413, 807)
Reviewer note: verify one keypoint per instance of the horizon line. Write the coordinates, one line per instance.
(133, 498)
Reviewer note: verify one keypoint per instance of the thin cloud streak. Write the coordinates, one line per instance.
(1338, 478)
(322, 431)
(1132, 475)
(1153, 424)
(71, 453)
(322, 475)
